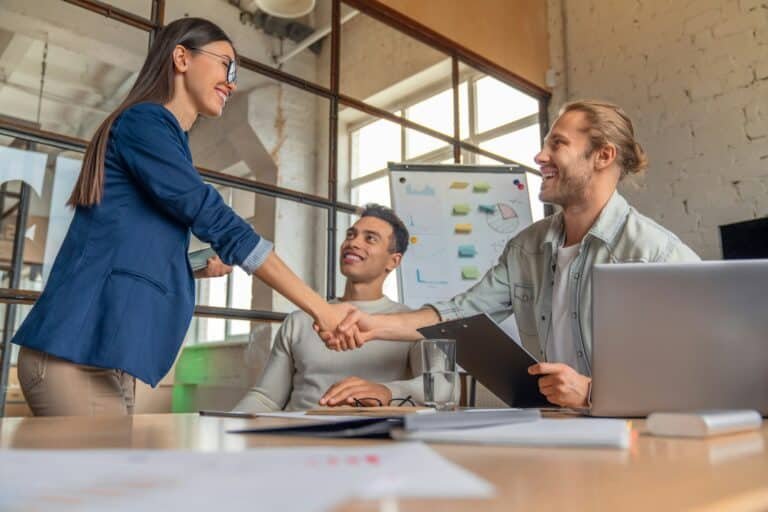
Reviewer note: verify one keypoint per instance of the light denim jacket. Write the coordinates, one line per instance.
(522, 281)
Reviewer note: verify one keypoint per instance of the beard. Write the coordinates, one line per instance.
(570, 190)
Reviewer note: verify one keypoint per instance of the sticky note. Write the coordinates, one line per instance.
(487, 208)
(481, 187)
(463, 228)
(467, 251)
(470, 273)
(461, 209)
(459, 184)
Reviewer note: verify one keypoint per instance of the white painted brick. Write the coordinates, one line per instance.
(757, 111)
(692, 75)
(757, 129)
(705, 5)
(739, 25)
(704, 20)
(751, 190)
(748, 5)
(703, 39)
(741, 46)
(705, 88)
(761, 36)
(738, 78)
(761, 69)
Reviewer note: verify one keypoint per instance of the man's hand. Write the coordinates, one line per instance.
(350, 336)
(326, 324)
(345, 391)
(562, 385)
(215, 268)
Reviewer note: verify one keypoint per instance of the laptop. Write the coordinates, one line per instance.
(680, 337)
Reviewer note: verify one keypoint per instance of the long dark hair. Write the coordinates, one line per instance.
(154, 84)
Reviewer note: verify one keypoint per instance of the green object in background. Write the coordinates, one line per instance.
(470, 273)
(481, 187)
(461, 209)
(192, 369)
(206, 373)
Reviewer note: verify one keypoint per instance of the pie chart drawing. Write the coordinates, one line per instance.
(504, 218)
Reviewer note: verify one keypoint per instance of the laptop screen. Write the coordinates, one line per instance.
(745, 240)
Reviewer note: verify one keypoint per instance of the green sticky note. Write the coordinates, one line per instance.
(470, 273)
(481, 187)
(487, 208)
(461, 209)
(467, 251)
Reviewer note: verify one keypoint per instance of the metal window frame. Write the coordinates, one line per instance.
(376, 10)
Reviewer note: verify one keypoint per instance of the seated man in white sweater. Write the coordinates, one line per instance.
(302, 373)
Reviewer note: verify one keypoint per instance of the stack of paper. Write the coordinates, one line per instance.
(297, 479)
(576, 432)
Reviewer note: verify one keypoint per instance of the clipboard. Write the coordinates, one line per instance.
(485, 351)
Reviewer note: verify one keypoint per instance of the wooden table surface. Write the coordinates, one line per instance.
(725, 473)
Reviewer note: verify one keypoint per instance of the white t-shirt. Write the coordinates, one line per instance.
(561, 346)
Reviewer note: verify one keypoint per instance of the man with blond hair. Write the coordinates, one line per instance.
(544, 275)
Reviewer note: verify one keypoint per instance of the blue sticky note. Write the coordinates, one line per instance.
(467, 251)
(487, 208)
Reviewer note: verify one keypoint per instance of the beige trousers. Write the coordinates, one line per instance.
(56, 387)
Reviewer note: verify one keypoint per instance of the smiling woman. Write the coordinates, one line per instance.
(120, 295)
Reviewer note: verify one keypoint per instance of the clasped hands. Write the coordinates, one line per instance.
(344, 327)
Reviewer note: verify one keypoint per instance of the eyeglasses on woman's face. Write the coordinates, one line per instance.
(226, 60)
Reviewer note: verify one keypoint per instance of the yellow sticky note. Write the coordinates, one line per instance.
(470, 273)
(463, 228)
(481, 187)
(459, 184)
(461, 209)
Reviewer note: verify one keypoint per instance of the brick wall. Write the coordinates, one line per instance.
(693, 76)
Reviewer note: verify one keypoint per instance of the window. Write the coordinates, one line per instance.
(66, 65)
(494, 117)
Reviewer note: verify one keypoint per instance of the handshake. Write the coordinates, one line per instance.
(344, 327)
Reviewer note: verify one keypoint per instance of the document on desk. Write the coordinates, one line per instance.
(311, 479)
(573, 432)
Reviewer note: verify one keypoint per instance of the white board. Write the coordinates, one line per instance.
(459, 218)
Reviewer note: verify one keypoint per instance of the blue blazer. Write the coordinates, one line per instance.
(121, 291)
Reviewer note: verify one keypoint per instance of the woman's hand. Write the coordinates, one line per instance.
(215, 268)
(327, 322)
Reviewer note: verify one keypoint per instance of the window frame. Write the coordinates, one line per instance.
(458, 54)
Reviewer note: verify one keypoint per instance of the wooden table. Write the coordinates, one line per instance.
(726, 473)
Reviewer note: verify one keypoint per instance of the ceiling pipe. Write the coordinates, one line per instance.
(319, 34)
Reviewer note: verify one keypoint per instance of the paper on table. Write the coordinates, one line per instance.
(576, 432)
(123, 480)
(304, 416)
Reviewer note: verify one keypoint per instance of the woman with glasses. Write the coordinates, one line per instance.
(120, 296)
